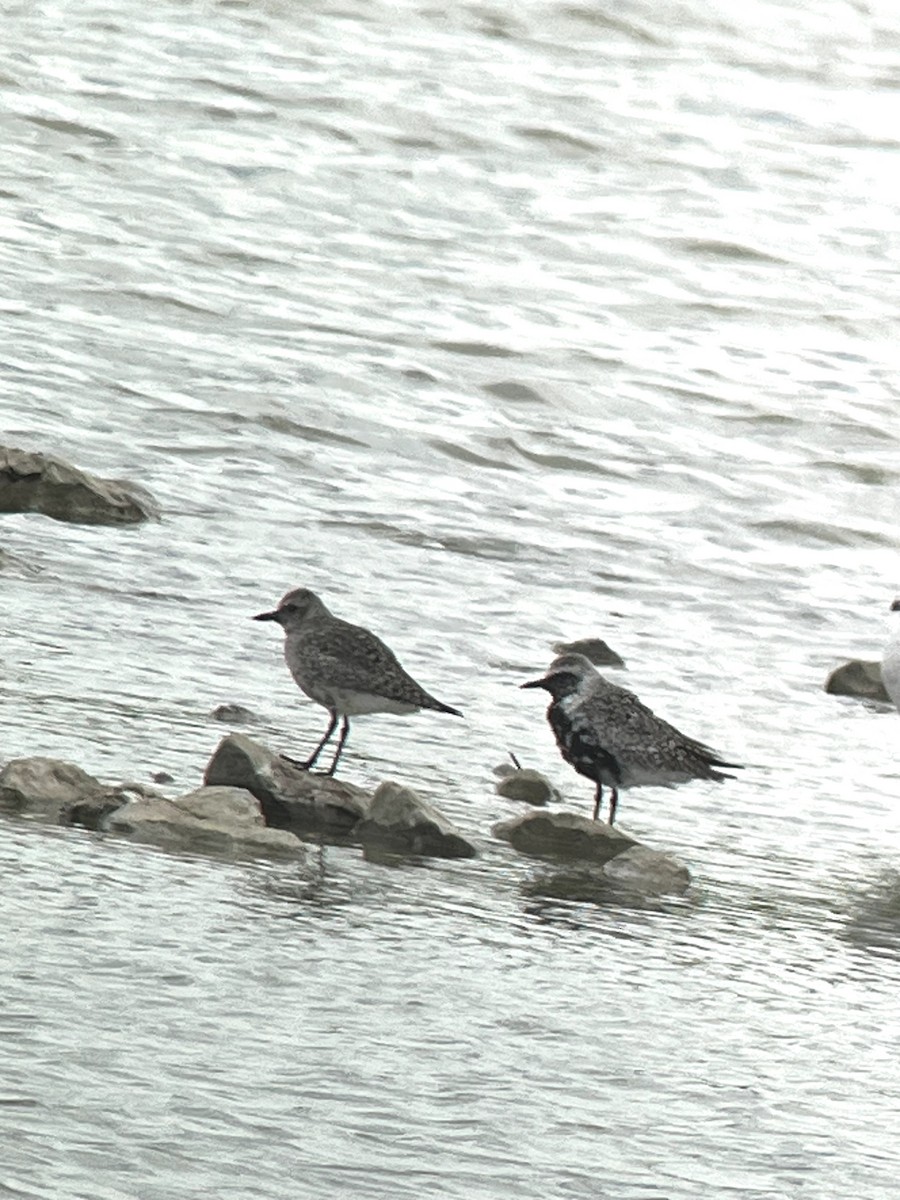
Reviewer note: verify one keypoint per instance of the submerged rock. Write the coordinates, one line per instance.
(629, 877)
(858, 678)
(217, 820)
(594, 649)
(608, 858)
(400, 821)
(648, 872)
(32, 482)
(234, 714)
(529, 786)
(563, 835)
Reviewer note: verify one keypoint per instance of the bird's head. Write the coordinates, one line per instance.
(565, 676)
(295, 609)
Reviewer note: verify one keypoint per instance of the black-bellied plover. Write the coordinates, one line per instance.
(890, 661)
(609, 736)
(343, 667)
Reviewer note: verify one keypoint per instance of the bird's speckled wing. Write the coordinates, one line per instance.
(640, 741)
(348, 657)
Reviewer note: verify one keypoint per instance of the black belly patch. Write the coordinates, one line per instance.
(580, 747)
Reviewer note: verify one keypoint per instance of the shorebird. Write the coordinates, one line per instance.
(890, 662)
(343, 667)
(610, 737)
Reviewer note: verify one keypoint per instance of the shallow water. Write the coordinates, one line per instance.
(496, 328)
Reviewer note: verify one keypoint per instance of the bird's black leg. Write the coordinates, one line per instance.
(613, 803)
(597, 799)
(345, 729)
(308, 765)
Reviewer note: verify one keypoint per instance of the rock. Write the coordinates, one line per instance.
(51, 788)
(563, 835)
(611, 861)
(529, 786)
(593, 648)
(649, 872)
(216, 820)
(32, 482)
(234, 714)
(629, 877)
(92, 810)
(399, 821)
(291, 798)
(860, 679)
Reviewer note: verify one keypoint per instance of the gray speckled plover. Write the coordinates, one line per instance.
(343, 667)
(610, 737)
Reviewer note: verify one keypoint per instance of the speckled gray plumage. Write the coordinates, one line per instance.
(608, 735)
(344, 667)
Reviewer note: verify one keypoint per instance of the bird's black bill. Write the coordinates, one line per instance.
(270, 616)
(533, 683)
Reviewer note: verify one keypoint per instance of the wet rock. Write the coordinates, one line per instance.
(210, 820)
(32, 482)
(609, 861)
(291, 798)
(563, 835)
(529, 786)
(400, 821)
(92, 810)
(234, 714)
(594, 649)
(858, 678)
(648, 872)
(614, 882)
(50, 787)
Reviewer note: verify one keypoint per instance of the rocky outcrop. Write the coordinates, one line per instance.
(858, 678)
(211, 820)
(50, 788)
(594, 649)
(401, 822)
(253, 803)
(608, 858)
(32, 482)
(291, 798)
(394, 820)
(529, 786)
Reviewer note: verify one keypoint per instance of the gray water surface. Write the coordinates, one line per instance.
(496, 326)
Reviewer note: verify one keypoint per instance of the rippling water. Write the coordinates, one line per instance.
(496, 326)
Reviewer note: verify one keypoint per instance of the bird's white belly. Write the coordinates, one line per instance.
(349, 703)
